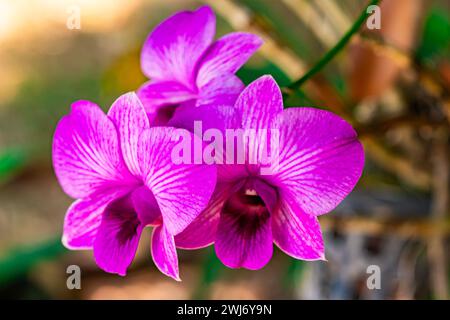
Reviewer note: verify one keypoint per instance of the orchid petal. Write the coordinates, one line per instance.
(86, 154)
(146, 207)
(118, 237)
(220, 117)
(84, 216)
(159, 96)
(202, 231)
(244, 233)
(320, 159)
(222, 90)
(164, 253)
(172, 50)
(227, 55)
(181, 190)
(297, 233)
(130, 119)
(260, 103)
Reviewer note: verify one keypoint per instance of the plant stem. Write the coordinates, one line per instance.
(336, 49)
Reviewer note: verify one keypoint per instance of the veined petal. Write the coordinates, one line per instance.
(260, 103)
(157, 96)
(244, 233)
(130, 119)
(220, 117)
(164, 253)
(210, 124)
(227, 55)
(86, 154)
(118, 237)
(172, 50)
(84, 216)
(202, 231)
(297, 233)
(320, 159)
(146, 207)
(222, 90)
(182, 190)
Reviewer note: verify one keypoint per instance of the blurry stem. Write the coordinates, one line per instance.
(440, 205)
(336, 49)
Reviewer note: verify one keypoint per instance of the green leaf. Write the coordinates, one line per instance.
(436, 35)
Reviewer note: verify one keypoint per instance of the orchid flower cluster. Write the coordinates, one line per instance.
(120, 166)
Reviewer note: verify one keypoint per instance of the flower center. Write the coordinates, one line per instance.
(247, 206)
(164, 114)
(251, 198)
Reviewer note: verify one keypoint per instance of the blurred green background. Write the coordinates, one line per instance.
(392, 84)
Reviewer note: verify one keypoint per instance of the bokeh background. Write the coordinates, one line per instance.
(392, 84)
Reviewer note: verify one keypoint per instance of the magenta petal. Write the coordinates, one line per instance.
(146, 207)
(84, 216)
(165, 94)
(297, 234)
(267, 193)
(260, 103)
(244, 234)
(220, 117)
(222, 90)
(227, 55)
(86, 154)
(164, 253)
(172, 50)
(202, 231)
(320, 159)
(181, 190)
(215, 118)
(118, 237)
(130, 119)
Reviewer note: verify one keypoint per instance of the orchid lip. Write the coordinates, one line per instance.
(248, 201)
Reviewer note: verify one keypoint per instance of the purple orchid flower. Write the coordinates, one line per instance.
(185, 66)
(319, 162)
(121, 172)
